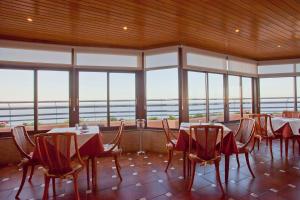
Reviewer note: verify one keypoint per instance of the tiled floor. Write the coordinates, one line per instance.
(144, 178)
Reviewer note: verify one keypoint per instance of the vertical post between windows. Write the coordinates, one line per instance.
(295, 94)
(108, 103)
(255, 95)
(241, 97)
(140, 92)
(226, 99)
(182, 88)
(35, 101)
(207, 96)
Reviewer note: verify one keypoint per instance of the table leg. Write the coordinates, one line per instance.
(94, 173)
(286, 141)
(227, 162)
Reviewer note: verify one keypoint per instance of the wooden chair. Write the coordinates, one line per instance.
(170, 145)
(111, 149)
(209, 141)
(25, 146)
(290, 114)
(262, 131)
(244, 139)
(55, 152)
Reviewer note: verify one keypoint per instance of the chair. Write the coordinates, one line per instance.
(290, 114)
(170, 145)
(244, 138)
(262, 131)
(25, 146)
(59, 159)
(209, 141)
(111, 149)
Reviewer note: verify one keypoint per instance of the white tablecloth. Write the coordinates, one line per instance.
(279, 122)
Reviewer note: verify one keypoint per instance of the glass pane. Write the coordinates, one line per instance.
(161, 60)
(298, 93)
(276, 95)
(247, 95)
(162, 97)
(208, 61)
(16, 101)
(234, 97)
(106, 60)
(93, 98)
(122, 98)
(197, 96)
(35, 56)
(53, 99)
(216, 97)
(275, 69)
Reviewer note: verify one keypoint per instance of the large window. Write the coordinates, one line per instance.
(247, 95)
(162, 97)
(53, 99)
(122, 98)
(216, 97)
(93, 98)
(197, 96)
(276, 95)
(234, 97)
(16, 99)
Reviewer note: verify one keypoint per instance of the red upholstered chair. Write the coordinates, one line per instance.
(60, 158)
(262, 131)
(111, 149)
(209, 141)
(244, 139)
(25, 147)
(170, 145)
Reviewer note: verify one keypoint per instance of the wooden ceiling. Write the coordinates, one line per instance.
(268, 29)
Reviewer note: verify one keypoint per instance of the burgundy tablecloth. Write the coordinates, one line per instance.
(229, 145)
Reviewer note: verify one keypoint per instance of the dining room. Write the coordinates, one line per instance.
(137, 100)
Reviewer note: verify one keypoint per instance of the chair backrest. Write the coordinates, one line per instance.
(208, 146)
(290, 114)
(116, 142)
(22, 141)
(261, 123)
(167, 130)
(55, 151)
(245, 131)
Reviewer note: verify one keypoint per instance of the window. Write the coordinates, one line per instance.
(106, 60)
(276, 95)
(298, 93)
(207, 61)
(162, 97)
(197, 96)
(122, 98)
(275, 69)
(234, 97)
(16, 101)
(247, 95)
(53, 99)
(35, 56)
(161, 60)
(216, 97)
(93, 98)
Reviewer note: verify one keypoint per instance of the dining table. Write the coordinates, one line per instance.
(229, 146)
(89, 141)
(287, 127)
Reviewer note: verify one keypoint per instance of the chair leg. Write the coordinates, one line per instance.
(53, 187)
(25, 169)
(253, 145)
(281, 141)
(31, 173)
(118, 167)
(169, 159)
(258, 143)
(88, 173)
(271, 149)
(217, 163)
(237, 160)
(94, 173)
(75, 176)
(47, 181)
(248, 164)
(192, 175)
